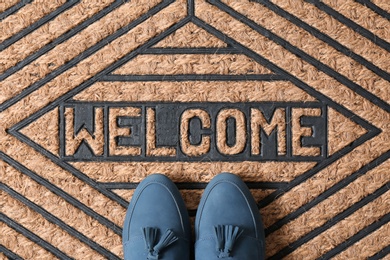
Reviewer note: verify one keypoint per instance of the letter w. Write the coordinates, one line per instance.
(78, 135)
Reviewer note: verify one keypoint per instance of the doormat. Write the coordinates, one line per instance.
(292, 96)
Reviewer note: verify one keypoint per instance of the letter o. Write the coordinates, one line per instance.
(241, 135)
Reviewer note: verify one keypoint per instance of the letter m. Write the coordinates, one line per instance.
(259, 125)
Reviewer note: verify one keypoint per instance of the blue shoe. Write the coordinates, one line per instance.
(228, 223)
(157, 225)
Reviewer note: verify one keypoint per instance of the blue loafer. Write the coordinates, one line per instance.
(157, 224)
(228, 223)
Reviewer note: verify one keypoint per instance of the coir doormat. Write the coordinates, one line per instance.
(293, 96)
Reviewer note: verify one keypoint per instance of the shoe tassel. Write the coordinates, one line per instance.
(150, 238)
(225, 236)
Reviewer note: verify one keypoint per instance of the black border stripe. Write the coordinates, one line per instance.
(304, 56)
(187, 77)
(333, 221)
(381, 254)
(71, 102)
(84, 55)
(165, 51)
(75, 30)
(53, 219)
(8, 253)
(13, 9)
(194, 185)
(30, 235)
(59, 192)
(325, 38)
(191, 7)
(361, 234)
(351, 24)
(328, 193)
(375, 8)
(6, 43)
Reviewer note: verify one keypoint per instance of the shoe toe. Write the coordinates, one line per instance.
(156, 204)
(227, 203)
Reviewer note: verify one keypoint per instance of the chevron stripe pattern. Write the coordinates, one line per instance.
(75, 73)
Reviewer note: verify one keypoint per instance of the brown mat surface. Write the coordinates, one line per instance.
(293, 96)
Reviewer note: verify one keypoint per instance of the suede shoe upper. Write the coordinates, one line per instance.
(228, 224)
(157, 223)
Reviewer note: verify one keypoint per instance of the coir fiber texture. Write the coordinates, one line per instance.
(291, 95)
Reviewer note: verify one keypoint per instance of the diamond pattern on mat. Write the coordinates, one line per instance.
(319, 47)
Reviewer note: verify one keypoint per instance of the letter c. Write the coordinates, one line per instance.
(186, 147)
